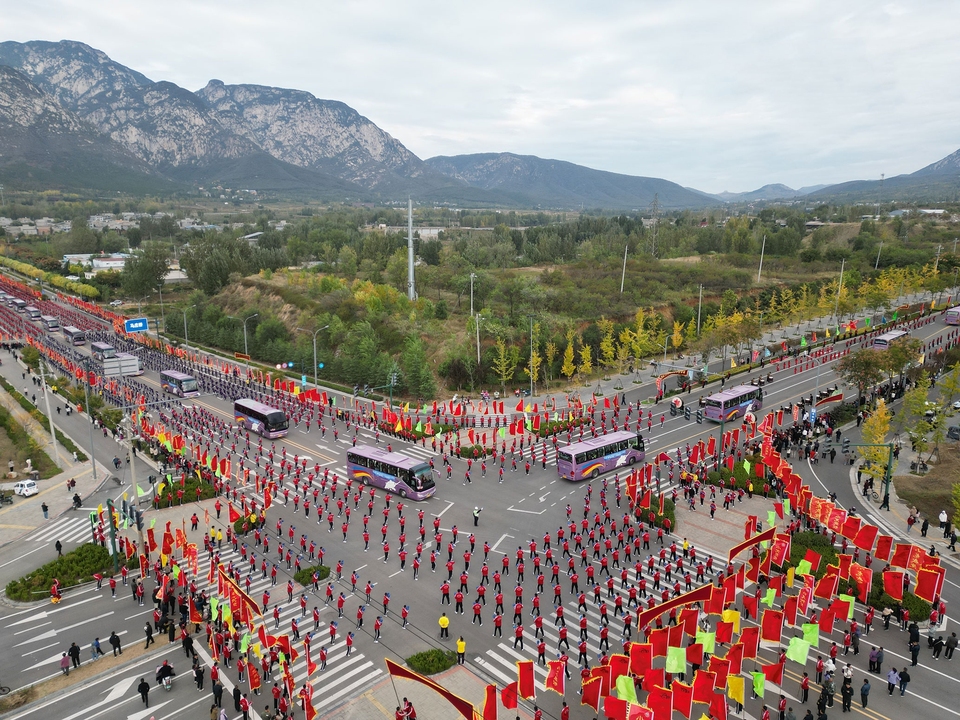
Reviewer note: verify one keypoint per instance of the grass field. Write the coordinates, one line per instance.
(931, 493)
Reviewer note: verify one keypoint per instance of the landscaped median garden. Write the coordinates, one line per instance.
(73, 568)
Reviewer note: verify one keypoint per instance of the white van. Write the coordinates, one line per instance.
(26, 488)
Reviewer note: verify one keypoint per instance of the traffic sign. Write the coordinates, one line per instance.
(241, 356)
(135, 325)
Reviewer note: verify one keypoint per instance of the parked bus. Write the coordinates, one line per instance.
(952, 316)
(102, 351)
(882, 342)
(391, 471)
(589, 458)
(178, 383)
(74, 335)
(267, 421)
(33, 313)
(731, 404)
(18, 304)
(50, 322)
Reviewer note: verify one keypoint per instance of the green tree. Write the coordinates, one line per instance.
(586, 361)
(874, 432)
(550, 352)
(678, 336)
(950, 385)
(347, 262)
(504, 363)
(608, 354)
(533, 367)
(416, 370)
(568, 368)
(901, 353)
(145, 270)
(861, 369)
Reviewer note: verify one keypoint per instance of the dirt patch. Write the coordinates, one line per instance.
(931, 493)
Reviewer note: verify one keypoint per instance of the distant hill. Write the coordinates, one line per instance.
(937, 182)
(560, 184)
(43, 145)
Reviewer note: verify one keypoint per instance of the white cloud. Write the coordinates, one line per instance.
(717, 96)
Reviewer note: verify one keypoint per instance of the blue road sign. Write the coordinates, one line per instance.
(135, 325)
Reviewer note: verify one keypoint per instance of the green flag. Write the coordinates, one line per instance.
(804, 568)
(849, 599)
(771, 518)
(769, 596)
(333, 400)
(555, 416)
(786, 506)
(803, 341)
(868, 322)
(244, 642)
(759, 680)
(419, 426)
(708, 639)
(626, 690)
(503, 432)
(140, 493)
(676, 660)
(895, 313)
(213, 605)
(811, 634)
(798, 649)
(152, 523)
(746, 466)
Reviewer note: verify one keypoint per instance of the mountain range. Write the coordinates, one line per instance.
(72, 117)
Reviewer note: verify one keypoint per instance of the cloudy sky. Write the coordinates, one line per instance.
(726, 95)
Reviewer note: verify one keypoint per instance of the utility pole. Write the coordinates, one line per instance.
(476, 321)
(699, 309)
(46, 397)
(411, 290)
(86, 392)
(655, 210)
(877, 263)
(531, 354)
(836, 308)
(472, 276)
(623, 275)
(936, 263)
(879, 196)
(763, 247)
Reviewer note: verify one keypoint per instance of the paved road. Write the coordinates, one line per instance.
(521, 508)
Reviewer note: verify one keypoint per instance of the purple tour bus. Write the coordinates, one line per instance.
(589, 458)
(736, 402)
(391, 471)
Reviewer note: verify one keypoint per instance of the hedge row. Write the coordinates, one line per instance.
(431, 662)
(42, 419)
(84, 290)
(75, 567)
(304, 576)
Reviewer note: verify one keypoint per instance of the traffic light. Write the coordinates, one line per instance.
(699, 416)
(846, 445)
(686, 413)
(673, 410)
(139, 518)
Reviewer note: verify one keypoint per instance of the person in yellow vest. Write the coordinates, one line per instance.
(461, 650)
(444, 623)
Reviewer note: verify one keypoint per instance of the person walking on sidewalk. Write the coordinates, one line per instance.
(144, 689)
(149, 632)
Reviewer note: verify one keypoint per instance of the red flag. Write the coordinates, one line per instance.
(901, 555)
(704, 683)
(773, 673)
(641, 658)
(660, 700)
(711, 445)
(490, 702)
(525, 684)
(826, 621)
(556, 677)
(590, 693)
(893, 584)
(234, 515)
(749, 641)
(884, 542)
(866, 537)
(508, 696)
(813, 557)
(771, 626)
(929, 583)
(682, 698)
(311, 665)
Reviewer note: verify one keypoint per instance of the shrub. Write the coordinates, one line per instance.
(431, 662)
(190, 484)
(75, 567)
(820, 544)
(305, 575)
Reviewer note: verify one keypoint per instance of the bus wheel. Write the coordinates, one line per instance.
(595, 474)
(631, 461)
(366, 481)
(403, 494)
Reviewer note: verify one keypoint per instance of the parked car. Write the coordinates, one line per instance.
(116, 303)
(953, 432)
(26, 488)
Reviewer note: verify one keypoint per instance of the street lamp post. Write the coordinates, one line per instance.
(46, 397)
(472, 276)
(531, 355)
(86, 392)
(477, 320)
(247, 361)
(315, 383)
(186, 341)
(140, 304)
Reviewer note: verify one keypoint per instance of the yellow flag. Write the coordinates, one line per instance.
(99, 508)
(933, 304)
(791, 574)
(732, 616)
(527, 408)
(406, 408)
(828, 332)
(163, 560)
(399, 426)
(735, 688)
(733, 363)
